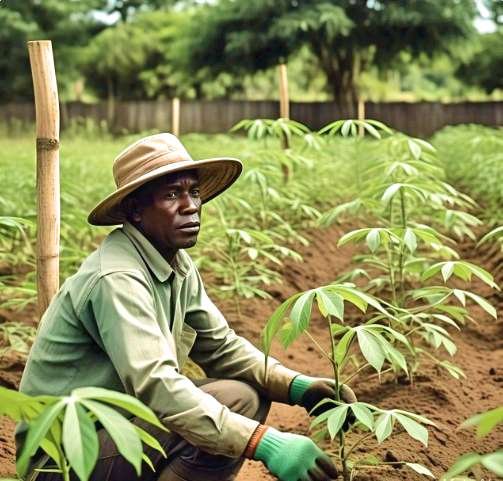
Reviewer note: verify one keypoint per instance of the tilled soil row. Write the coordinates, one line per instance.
(435, 394)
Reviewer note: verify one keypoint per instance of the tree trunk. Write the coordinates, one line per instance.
(342, 69)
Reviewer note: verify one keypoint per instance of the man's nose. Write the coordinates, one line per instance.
(188, 206)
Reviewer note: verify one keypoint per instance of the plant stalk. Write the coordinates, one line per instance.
(342, 445)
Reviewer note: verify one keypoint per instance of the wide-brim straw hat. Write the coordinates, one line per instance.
(155, 156)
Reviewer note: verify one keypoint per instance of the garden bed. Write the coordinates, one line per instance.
(443, 399)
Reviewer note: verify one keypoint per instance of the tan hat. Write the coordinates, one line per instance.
(153, 157)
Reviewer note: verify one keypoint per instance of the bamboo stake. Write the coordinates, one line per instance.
(361, 115)
(284, 112)
(284, 104)
(175, 116)
(47, 127)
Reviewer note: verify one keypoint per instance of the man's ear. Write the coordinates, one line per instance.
(132, 209)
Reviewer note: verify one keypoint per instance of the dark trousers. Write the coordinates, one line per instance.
(184, 462)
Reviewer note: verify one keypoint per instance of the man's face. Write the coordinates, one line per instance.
(171, 219)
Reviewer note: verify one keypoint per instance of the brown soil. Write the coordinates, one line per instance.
(434, 394)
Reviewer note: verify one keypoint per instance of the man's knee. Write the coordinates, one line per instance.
(239, 397)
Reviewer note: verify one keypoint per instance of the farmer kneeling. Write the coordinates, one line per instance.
(128, 319)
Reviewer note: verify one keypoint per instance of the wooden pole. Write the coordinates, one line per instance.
(47, 127)
(284, 104)
(175, 116)
(361, 115)
(284, 113)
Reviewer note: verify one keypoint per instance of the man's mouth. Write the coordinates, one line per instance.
(190, 227)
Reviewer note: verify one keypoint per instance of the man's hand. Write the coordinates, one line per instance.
(292, 457)
(308, 391)
(322, 389)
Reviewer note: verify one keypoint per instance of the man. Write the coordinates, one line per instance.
(128, 319)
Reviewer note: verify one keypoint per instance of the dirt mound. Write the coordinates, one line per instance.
(434, 394)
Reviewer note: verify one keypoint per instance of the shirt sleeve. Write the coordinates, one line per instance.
(145, 360)
(224, 354)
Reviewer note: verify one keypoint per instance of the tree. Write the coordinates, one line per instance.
(346, 36)
(132, 60)
(67, 24)
(485, 67)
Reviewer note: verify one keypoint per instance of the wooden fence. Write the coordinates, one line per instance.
(420, 119)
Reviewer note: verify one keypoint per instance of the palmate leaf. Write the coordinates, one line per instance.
(80, 440)
(370, 348)
(384, 426)
(275, 322)
(330, 303)
(413, 428)
(300, 314)
(485, 422)
(342, 348)
(492, 461)
(420, 469)
(129, 403)
(36, 432)
(121, 431)
(462, 269)
(336, 420)
(363, 414)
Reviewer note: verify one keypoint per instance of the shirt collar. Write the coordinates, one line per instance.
(153, 258)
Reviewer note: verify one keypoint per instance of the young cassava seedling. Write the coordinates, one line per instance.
(375, 342)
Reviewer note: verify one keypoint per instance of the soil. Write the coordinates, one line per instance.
(445, 400)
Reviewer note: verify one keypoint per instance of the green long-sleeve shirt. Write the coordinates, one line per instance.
(127, 321)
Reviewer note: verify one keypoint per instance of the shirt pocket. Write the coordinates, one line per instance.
(185, 342)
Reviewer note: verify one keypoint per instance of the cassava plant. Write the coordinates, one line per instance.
(470, 462)
(65, 428)
(403, 190)
(375, 343)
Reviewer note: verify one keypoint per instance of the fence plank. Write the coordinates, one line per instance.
(212, 116)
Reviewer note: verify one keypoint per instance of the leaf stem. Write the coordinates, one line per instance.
(358, 442)
(345, 472)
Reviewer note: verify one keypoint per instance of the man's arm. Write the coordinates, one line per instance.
(145, 360)
(224, 354)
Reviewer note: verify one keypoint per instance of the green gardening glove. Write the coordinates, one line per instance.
(292, 457)
(308, 391)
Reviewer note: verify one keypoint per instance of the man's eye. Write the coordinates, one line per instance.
(171, 194)
(195, 192)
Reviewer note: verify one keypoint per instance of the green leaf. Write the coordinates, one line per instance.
(288, 334)
(274, 323)
(413, 428)
(383, 426)
(462, 464)
(373, 239)
(124, 401)
(80, 440)
(483, 304)
(330, 303)
(493, 462)
(36, 432)
(363, 414)
(447, 270)
(336, 419)
(370, 349)
(148, 462)
(346, 127)
(343, 346)
(414, 148)
(410, 240)
(485, 421)
(121, 431)
(300, 314)
(420, 469)
(390, 192)
(149, 440)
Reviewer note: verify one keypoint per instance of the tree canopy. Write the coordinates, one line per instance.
(346, 36)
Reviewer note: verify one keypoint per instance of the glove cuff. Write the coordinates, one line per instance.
(271, 442)
(298, 387)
